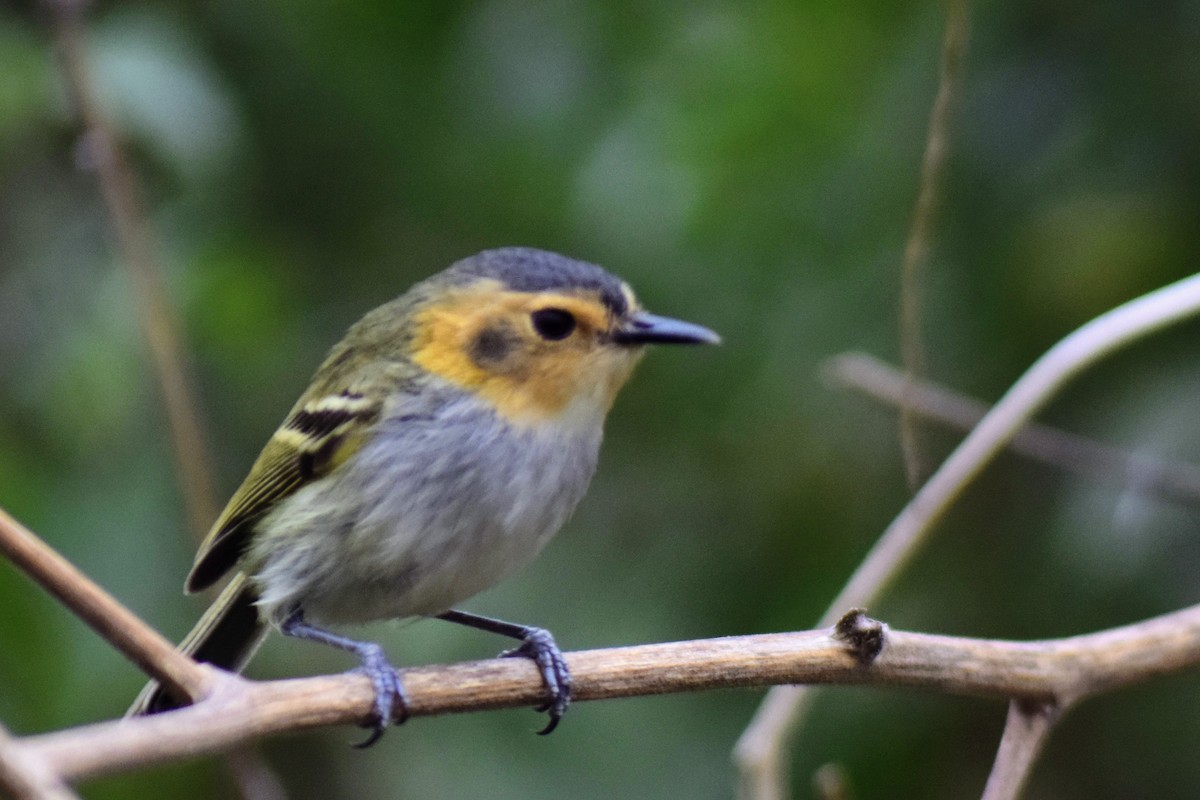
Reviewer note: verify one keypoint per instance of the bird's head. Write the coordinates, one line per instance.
(539, 336)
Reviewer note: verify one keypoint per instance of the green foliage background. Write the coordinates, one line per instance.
(748, 166)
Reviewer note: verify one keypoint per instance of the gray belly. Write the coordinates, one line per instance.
(440, 509)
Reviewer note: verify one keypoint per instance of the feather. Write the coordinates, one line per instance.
(316, 437)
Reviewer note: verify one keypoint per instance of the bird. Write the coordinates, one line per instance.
(439, 446)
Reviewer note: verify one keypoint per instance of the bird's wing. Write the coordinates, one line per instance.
(315, 438)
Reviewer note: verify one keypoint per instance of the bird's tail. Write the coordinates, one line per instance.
(226, 636)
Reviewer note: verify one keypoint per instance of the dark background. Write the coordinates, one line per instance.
(752, 167)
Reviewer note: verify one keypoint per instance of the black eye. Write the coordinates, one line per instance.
(553, 323)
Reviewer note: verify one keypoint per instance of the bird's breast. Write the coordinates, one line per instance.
(447, 505)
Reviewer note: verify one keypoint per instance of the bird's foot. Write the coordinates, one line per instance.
(538, 644)
(391, 701)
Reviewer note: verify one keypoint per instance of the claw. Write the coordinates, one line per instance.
(389, 693)
(540, 646)
(537, 644)
(374, 736)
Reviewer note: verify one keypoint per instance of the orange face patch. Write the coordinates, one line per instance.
(483, 339)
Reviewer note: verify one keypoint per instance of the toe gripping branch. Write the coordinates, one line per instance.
(390, 698)
(391, 701)
(536, 644)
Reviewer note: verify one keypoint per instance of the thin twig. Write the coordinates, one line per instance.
(1060, 671)
(254, 779)
(1176, 481)
(100, 151)
(916, 249)
(25, 777)
(1025, 733)
(116, 624)
(760, 752)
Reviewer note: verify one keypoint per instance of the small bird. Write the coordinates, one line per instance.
(442, 443)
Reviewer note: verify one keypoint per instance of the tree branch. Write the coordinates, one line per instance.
(762, 745)
(1025, 733)
(916, 249)
(1176, 481)
(116, 624)
(100, 151)
(760, 751)
(1056, 672)
(254, 778)
(25, 777)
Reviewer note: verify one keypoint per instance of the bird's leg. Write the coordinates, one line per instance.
(537, 644)
(389, 691)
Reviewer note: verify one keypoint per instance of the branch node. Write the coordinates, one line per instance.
(864, 637)
(1048, 709)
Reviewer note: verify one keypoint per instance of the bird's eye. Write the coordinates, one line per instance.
(553, 323)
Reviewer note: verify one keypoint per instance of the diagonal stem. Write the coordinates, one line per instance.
(101, 152)
(26, 778)
(1025, 733)
(1175, 481)
(916, 249)
(116, 624)
(762, 744)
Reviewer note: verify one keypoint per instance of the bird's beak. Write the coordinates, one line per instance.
(642, 328)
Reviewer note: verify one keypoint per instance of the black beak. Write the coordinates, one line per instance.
(643, 328)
